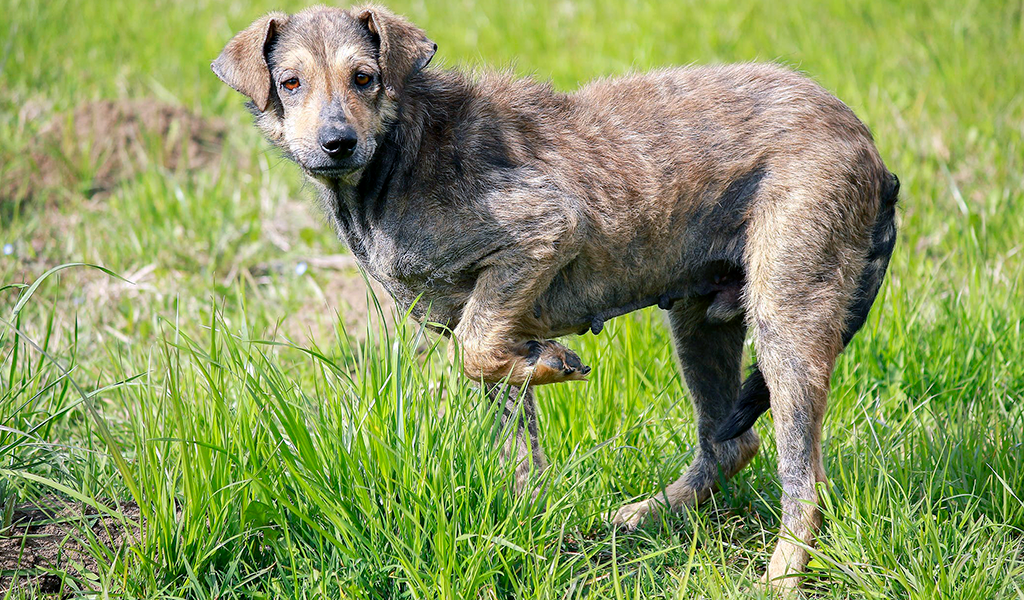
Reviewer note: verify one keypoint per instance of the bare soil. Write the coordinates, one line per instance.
(46, 544)
(103, 143)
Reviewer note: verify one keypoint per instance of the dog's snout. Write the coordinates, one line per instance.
(338, 141)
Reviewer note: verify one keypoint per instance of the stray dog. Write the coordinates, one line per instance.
(733, 197)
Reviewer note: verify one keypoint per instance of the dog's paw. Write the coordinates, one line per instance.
(783, 578)
(781, 587)
(631, 516)
(552, 362)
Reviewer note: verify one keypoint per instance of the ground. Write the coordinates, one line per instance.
(224, 411)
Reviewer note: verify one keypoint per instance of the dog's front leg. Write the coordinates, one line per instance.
(520, 442)
(490, 336)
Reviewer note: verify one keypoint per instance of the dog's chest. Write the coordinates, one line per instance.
(419, 271)
(399, 252)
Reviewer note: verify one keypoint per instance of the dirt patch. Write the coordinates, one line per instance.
(100, 144)
(44, 545)
(338, 291)
(347, 295)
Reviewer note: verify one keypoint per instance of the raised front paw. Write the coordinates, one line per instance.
(552, 362)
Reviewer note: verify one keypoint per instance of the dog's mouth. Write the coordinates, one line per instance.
(332, 172)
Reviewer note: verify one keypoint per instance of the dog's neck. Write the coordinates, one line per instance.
(422, 111)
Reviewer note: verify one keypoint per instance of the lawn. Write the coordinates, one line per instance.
(206, 401)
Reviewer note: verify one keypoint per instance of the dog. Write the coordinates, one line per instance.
(505, 213)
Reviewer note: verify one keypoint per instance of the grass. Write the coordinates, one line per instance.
(276, 450)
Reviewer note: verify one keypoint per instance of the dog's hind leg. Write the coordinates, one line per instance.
(801, 282)
(709, 355)
(797, 361)
(519, 439)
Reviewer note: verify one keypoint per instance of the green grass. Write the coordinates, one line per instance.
(277, 453)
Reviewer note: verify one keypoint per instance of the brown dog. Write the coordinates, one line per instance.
(733, 197)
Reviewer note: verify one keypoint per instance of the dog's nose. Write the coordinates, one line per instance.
(338, 142)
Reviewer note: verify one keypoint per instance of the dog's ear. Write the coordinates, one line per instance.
(403, 48)
(243, 62)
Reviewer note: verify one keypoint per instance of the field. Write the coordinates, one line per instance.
(201, 399)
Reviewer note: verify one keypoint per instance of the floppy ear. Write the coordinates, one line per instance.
(404, 48)
(242, 64)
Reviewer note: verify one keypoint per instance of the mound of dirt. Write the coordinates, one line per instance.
(45, 543)
(103, 143)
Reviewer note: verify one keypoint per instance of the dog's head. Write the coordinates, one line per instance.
(325, 82)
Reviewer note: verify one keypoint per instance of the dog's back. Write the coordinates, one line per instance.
(670, 167)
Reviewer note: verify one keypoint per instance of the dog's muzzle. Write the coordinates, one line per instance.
(338, 142)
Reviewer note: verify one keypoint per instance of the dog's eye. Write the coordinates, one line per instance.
(290, 84)
(362, 79)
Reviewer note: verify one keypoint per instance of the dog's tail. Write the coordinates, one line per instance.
(754, 398)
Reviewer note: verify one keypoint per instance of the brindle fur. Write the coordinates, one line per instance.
(737, 197)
